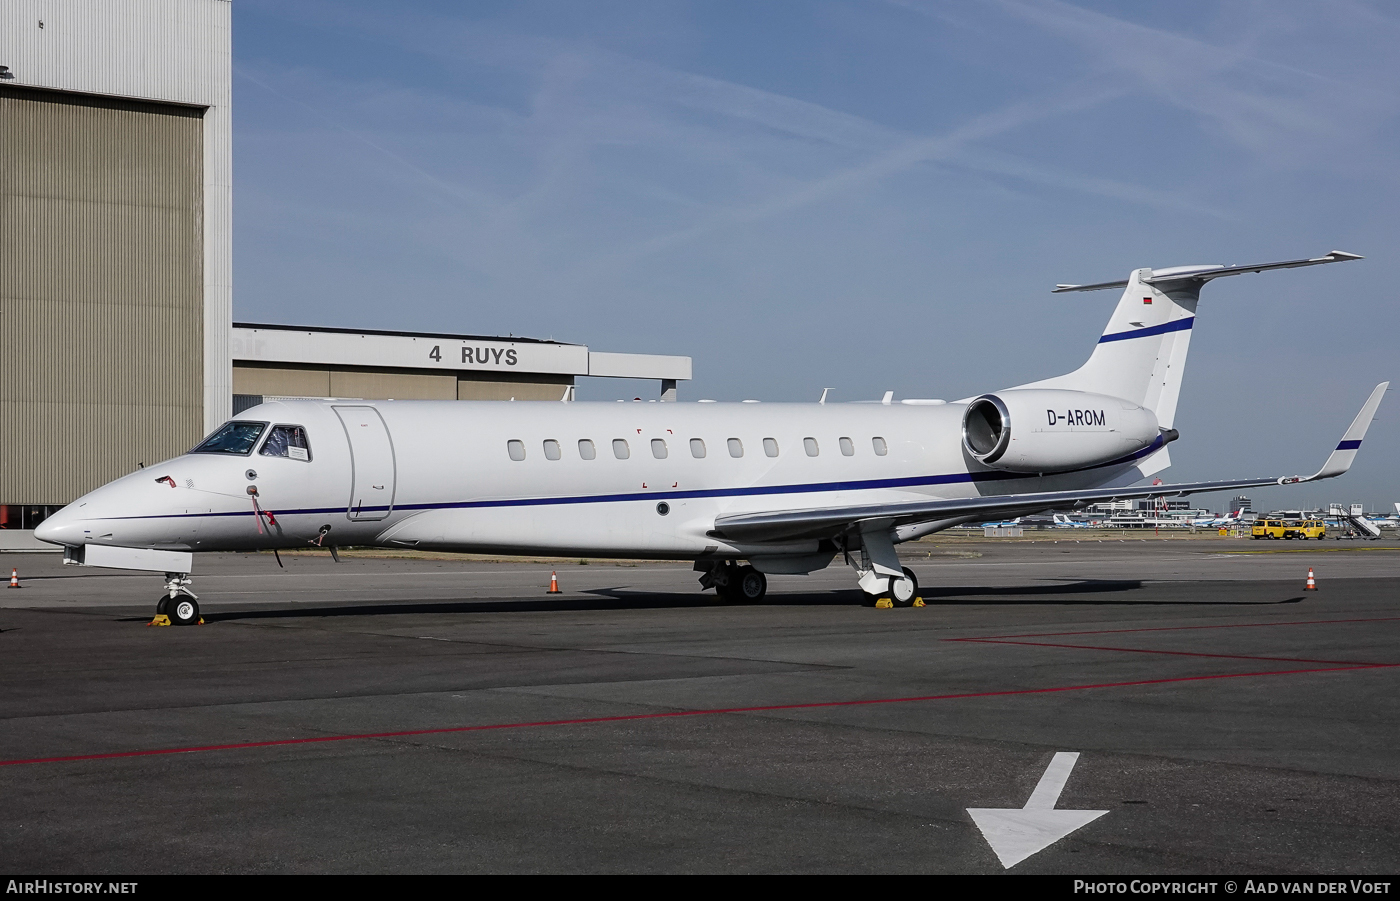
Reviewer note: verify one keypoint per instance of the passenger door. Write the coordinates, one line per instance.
(371, 463)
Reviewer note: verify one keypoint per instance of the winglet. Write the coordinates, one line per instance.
(1341, 458)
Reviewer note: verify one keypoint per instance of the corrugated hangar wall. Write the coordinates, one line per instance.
(101, 289)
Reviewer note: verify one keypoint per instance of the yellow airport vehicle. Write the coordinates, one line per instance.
(1279, 527)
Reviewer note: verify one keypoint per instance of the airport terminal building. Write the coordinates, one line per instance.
(116, 265)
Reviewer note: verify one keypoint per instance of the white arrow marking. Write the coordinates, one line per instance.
(1017, 834)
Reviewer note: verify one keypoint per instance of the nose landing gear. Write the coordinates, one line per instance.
(179, 606)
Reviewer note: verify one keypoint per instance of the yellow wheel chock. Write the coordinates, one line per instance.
(163, 620)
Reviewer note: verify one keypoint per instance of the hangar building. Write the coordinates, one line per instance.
(116, 265)
(291, 361)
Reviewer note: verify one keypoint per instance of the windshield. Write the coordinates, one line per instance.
(232, 438)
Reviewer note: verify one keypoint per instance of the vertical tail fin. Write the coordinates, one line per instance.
(1141, 355)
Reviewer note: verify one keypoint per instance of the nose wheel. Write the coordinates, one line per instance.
(178, 606)
(182, 611)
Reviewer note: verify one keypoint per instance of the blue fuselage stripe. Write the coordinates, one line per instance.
(1179, 325)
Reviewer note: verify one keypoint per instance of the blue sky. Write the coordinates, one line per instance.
(862, 196)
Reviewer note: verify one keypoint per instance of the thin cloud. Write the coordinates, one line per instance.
(319, 112)
(1279, 112)
(994, 163)
(906, 154)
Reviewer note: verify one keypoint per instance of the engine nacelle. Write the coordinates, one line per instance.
(1049, 430)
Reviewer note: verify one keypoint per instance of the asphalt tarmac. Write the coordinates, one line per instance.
(424, 715)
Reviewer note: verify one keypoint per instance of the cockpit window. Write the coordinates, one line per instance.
(287, 441)
(233, 438)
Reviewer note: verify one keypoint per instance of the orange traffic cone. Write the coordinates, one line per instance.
(1312, 583)
(554, 584)
(14, 578)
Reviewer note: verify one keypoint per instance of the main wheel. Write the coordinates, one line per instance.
(163, 605)
(751, 585)
(183, 611)
(903, 591)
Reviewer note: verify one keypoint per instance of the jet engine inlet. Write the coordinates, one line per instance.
(986, 428)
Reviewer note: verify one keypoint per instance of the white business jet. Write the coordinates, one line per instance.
(740, 489)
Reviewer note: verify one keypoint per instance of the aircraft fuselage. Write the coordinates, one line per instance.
(440, 475)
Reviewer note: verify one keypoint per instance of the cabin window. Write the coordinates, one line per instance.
(848, 447)
(551, 449)
(232, 438)
(770, 446)
(697, 448)
(586, 450)
(881, 448)
(810, 445)
(658, 448)
(516, 449)
(287, 441)
(736, 447)
(620, 449)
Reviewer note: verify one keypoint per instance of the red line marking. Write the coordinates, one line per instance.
(1299, 622)
(410, 733)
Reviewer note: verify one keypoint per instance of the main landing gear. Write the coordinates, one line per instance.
(178, 606)
(885, 582)
(902, 592)
(732, 582)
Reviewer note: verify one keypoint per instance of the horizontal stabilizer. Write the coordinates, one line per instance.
(1206, 273)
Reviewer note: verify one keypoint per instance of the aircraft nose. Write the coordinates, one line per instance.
(61, 528)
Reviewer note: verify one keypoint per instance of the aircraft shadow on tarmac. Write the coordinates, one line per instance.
(1062, 594)
(601, 600)
(1070, 593)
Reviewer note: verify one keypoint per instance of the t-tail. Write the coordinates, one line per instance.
(1142, 353)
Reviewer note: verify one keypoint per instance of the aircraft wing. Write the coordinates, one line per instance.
(828, 522)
